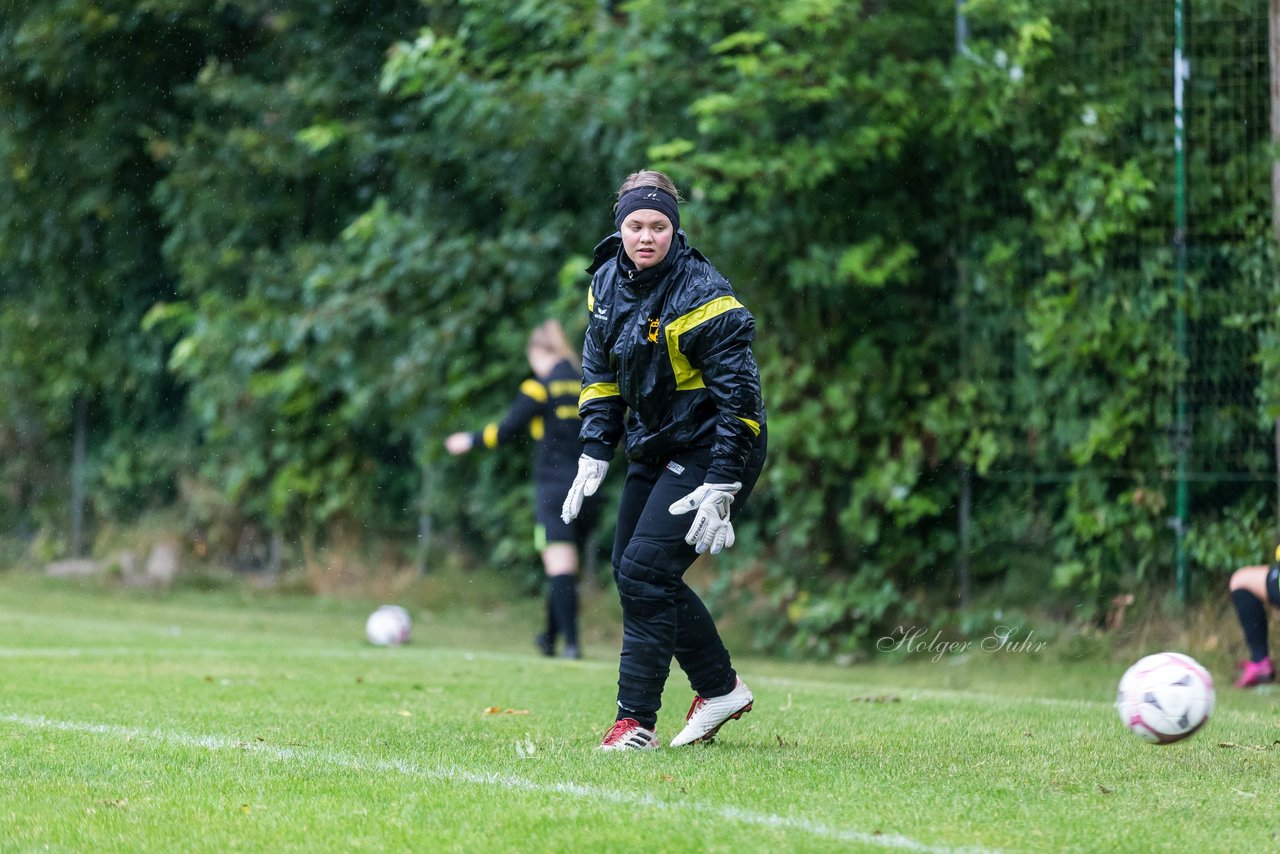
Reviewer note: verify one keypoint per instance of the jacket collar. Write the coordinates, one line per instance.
(610, 249)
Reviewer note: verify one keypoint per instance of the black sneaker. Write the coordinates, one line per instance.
(545, 643)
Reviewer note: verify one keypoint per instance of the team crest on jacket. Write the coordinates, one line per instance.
(653, 330)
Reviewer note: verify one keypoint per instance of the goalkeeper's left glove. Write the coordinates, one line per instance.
(711, 530)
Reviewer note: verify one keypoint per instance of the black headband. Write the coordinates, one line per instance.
(648, 199)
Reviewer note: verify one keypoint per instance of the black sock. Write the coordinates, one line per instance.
(552, 628)
(562, 600)
(1253, 620)
(648, 721)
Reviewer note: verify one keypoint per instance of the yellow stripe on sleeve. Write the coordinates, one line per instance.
(491, 436)
(535, 390)
(595, 391)
(754, 425)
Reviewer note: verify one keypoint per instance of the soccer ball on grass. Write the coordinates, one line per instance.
(388, 626)
(1165, 697)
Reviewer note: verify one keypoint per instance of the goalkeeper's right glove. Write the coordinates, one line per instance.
(590, 474)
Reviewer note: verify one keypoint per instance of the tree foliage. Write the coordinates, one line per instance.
(283, 251)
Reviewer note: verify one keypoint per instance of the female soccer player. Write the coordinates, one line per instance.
(547, 406)
(668, 340)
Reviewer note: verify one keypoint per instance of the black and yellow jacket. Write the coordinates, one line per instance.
(548, 408)
(673, 344)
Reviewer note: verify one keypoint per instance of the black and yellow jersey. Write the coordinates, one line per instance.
(673, 345)
(547, 407)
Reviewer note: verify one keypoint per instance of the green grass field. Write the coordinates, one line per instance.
(234, 721)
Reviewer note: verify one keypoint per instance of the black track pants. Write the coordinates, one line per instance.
(661, 615)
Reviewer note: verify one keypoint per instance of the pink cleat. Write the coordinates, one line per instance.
(1255, 673)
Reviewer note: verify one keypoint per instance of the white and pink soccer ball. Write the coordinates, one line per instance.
(1165, 697)
(389, 625)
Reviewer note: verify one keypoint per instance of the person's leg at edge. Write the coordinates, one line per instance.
(1251, 588)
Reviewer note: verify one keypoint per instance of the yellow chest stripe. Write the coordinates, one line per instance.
(565, 388)
(687, 376)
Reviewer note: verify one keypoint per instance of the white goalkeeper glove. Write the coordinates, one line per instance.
(711, 530)
(590, 474)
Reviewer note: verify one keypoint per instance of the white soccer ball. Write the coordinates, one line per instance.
(1165, 697)
(388, 626)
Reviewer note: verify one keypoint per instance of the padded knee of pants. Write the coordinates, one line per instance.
(643, 578)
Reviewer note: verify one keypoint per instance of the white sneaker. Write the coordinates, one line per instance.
(627, 734)
(707, 715)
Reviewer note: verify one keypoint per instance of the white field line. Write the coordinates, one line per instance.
(306, 756)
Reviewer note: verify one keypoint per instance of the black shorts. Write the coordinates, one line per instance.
(549, 527)
(1273, 584)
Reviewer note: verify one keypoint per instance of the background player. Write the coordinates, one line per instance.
(547, 407)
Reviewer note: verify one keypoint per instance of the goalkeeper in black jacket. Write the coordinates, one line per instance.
(547, 409)
(667, 361)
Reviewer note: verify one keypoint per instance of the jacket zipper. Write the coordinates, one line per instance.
(624, 365)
